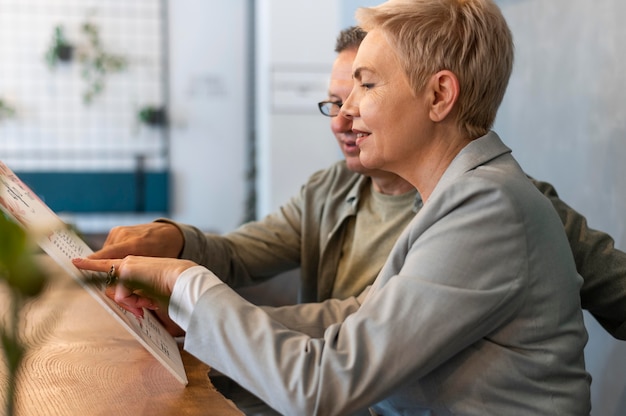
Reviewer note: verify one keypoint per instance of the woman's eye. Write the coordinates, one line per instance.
(367, 86)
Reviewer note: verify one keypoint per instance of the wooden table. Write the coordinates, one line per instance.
(80, 361)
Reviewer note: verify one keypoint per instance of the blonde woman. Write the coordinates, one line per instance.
(476, 310)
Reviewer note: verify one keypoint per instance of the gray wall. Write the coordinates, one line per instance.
(564, 116)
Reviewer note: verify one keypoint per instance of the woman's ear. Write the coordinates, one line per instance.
(444, 87)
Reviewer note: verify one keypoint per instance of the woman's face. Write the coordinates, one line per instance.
(391, 122)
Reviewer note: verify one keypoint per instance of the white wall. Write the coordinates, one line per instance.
(208, 53)
(295, 42)
(208, 100)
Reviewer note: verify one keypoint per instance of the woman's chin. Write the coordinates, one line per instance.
(356, 165)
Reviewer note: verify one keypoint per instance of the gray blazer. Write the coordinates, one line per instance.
(475, 312)
(308, 231)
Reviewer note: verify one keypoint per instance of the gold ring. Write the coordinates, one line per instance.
(111, 276)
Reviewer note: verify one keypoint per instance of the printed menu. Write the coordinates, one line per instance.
(61, 243)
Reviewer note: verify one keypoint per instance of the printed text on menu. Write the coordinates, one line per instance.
(66, 244)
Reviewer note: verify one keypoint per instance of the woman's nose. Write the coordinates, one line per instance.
(341, 123)
(350, 108)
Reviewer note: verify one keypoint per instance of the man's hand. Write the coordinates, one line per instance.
(155, 239)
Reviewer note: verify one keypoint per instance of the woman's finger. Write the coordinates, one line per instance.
(96, 265)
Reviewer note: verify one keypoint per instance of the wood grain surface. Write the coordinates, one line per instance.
(80, 361)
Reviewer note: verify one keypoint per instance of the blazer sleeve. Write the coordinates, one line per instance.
(397, 333)
(601, 265)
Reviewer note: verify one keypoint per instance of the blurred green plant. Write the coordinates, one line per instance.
(97, 63)
(153, 116)
(6, 110)
(25, 280)
(60, 49)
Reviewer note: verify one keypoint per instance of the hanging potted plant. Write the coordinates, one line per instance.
(60, 49)
(96, 62)
(153, 116)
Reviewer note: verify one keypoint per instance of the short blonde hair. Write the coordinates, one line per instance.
(468, 37)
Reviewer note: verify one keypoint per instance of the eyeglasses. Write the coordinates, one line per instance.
(330, 108)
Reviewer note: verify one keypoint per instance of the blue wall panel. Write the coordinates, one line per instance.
(101, 192)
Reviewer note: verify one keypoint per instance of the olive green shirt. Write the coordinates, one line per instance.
(369, 239)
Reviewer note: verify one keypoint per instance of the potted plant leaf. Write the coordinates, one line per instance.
(97, 63)
(24, 280)
(6, 110)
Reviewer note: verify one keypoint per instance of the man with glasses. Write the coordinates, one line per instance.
(345, 214)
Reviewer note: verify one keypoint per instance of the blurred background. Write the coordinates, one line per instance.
(118, 112)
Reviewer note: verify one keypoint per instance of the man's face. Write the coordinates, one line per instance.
(339, 89)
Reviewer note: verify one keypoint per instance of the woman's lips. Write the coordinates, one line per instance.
(360, 137)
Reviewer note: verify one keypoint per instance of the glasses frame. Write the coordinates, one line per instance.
(322, 106)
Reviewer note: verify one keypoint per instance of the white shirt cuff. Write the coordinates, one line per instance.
(189, 287)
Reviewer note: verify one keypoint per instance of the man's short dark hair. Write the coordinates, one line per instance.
(349, 38)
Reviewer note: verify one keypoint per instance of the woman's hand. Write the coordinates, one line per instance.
(142, 282)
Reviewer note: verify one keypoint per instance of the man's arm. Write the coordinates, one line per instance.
(254, 252)
(286, 239)
(601, 265)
